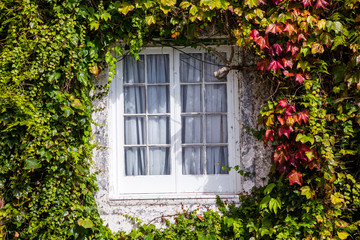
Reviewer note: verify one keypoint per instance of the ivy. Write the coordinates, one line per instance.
(51, 50)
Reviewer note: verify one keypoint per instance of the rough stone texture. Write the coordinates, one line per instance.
(254, 158)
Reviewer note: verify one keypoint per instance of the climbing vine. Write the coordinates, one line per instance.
(51, 50)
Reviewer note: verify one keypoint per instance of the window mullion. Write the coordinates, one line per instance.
(203, 115)
(146, 120)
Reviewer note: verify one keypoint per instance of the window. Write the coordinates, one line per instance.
(172, 125)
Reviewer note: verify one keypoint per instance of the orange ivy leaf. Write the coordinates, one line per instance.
(287, 63)
(273, 28)
(263, 42)
(289, 28)
(269, 134)
(295, 177)
(300, 78)
(281, 120)
(301, 36)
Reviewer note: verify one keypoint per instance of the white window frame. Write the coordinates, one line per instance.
(175, 185)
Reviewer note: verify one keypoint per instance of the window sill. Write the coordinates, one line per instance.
(210, 197)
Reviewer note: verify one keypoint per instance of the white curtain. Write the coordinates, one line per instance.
(140, 129)
(194, 116)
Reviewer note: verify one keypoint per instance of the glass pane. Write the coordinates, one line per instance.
(215, 98)
(134, 99)
(216, 158)
(158, 68)
(212, 64)
(190, 67)
(134, 71)
(158, 99)
(135, 161)
(159, 130)
(192, 163)
(216, 129)
(191, 130)
(191, 100)
(134, 130)
(159, 161)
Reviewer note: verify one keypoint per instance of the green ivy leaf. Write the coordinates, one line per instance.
(264, 202)
(150, 20)
(307, 192)
(269, 188)
(275, 204)
(86, 223)
(32, 163)
(125, 8)
(342, 235)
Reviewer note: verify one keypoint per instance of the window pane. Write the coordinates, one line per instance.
(191, 100)
(159, 161)
(212, 64)
(135, 161)
(216, 158)
(134, 99)
(216, 129)
(134, 130)
(191, 130)
(190, 67)
(215, 98)
(158, 68)
(134, 71)
(192, 163)
(159, 130)
(158, 99)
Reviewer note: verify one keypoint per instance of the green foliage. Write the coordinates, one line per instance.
(50, 51)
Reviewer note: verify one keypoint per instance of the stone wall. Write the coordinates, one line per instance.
(254, 158)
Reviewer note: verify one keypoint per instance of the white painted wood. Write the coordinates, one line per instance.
(175, 184)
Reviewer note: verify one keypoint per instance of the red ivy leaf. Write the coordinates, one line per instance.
(262, 65)
(275, 49)
(254, 34)
(303, 116)
(293, 48)
(321, 4)
(287, 62)
(281, 153)
(301, 151)
(295, 177)
(275, 65)
(289, 110)
(276, 2)
(273, 28)
(285, 130)
(307, 2)
(293, 161)
(282, 103)
(263, 42)
(300, 78)
(289, 28)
